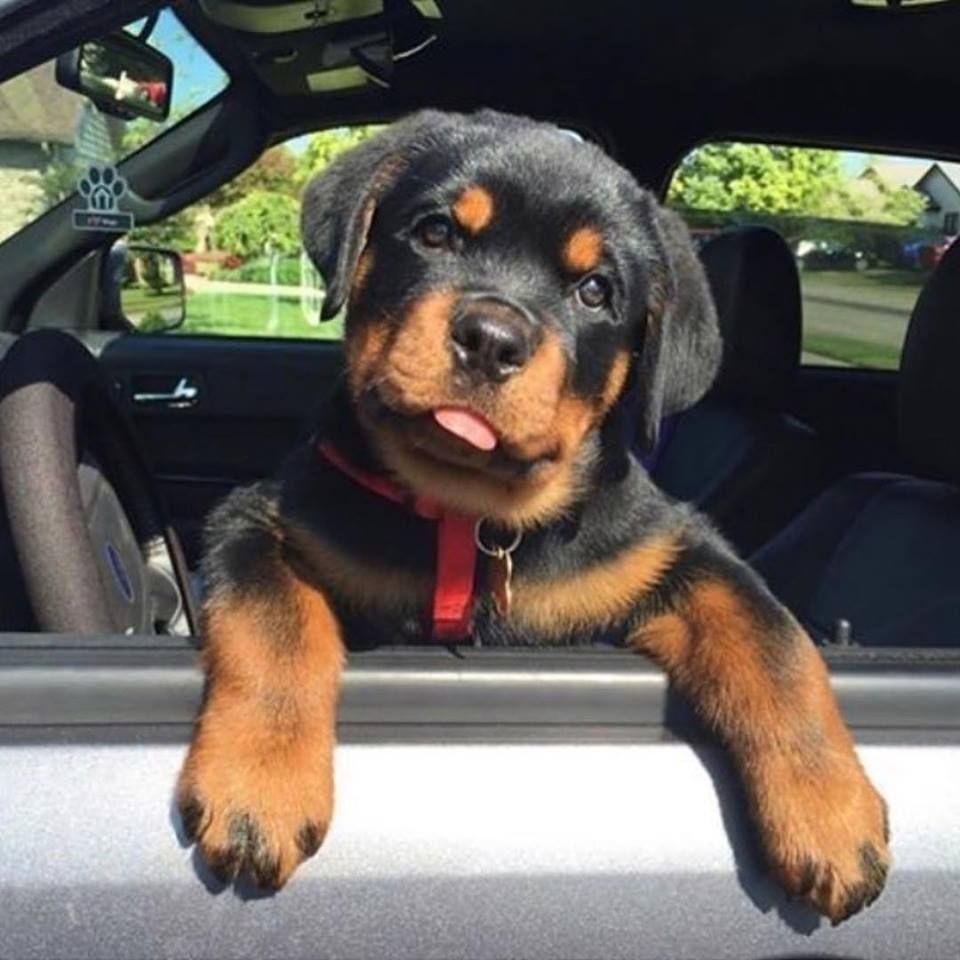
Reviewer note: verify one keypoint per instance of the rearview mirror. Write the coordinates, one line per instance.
(121, 75)
(144, 288)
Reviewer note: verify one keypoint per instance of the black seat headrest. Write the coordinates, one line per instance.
(756, 287)
(929, 396)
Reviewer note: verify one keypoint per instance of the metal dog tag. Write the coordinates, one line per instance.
(501, 569)
(501, 573)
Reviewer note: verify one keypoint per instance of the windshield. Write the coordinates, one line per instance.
(49, 136)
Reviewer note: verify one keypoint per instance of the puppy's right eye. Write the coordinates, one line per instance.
(434, 232)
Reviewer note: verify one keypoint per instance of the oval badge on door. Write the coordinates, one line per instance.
(119, 571)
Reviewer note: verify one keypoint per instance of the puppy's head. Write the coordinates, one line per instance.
(500, 278)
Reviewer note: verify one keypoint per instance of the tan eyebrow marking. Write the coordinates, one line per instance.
(473, 209)
(583, 249)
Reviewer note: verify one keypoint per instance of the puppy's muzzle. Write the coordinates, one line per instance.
(492, 339)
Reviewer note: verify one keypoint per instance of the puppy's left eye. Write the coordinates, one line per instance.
(434, 232)
(594, 291)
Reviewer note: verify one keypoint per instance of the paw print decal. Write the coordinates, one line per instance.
(101, 188)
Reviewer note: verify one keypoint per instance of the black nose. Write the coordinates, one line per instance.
(491, 345)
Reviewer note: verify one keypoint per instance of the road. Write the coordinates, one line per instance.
(854, 309)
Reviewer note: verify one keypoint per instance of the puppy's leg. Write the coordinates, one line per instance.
(256, 790)
(756, 677)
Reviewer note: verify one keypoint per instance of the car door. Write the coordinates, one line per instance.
(213, 413)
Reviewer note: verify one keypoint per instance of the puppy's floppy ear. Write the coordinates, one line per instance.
(681, 346)
(339, 203)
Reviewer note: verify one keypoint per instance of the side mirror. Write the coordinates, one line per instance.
(120, 75)
(143, 288)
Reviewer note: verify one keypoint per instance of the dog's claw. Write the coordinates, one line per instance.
(191, 816)
(309, 838)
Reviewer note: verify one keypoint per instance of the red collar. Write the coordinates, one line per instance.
(456, 548)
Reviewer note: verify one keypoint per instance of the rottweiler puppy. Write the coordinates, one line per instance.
(516, 308)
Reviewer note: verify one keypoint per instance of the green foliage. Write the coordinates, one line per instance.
(263, 222)
(325, 146)
(904, 205)
(797, 181)
(895, 204)
(245, 221)
(748, 176)
(153, 322)
(257, 270)
(58, 179)
(224, 314)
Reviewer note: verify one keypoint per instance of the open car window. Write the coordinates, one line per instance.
(50, 136)
(244, 268)
(866, 231)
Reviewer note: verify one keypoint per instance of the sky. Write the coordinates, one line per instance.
(196, 76)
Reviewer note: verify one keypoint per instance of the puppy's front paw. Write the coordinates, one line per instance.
(256, 804)
(824, 829)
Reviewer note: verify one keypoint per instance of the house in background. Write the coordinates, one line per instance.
(35, 125)
(44, 126)
(939, 182)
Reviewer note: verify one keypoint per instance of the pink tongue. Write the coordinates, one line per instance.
(467, 426)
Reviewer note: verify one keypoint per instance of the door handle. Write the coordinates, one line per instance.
(185, 393)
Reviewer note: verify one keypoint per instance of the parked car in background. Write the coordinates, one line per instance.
(924, 255)
(824, 255)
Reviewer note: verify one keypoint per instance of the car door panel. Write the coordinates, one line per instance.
(243, 404)
(489, 802)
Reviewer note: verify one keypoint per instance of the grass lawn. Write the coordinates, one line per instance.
(246, 315)
(869, 279)
(853, 352)
(858, 318)
(142, 299)
(150, 310)
(891, 289)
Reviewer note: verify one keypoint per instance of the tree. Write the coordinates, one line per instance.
(58, 180)
(759, 178)
(886, 203)
(323, 147)
(264, 221)
(793, 181)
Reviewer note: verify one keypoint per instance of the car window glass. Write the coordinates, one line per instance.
(50, 136)
(866, 229)
(245, 271)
